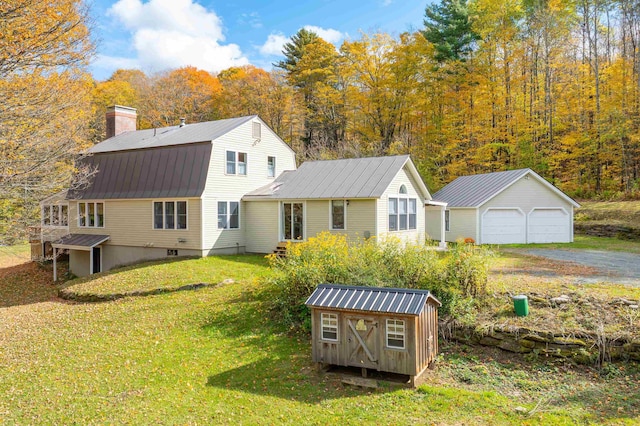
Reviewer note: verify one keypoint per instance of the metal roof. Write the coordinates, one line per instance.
(401, 301)
(475, 190)
(348, 178)
(166, 136)
(80, 241)
(173, 171)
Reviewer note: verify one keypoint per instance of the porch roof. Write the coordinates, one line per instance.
(80, 241)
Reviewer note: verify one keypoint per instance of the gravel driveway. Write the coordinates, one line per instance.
(618, 267)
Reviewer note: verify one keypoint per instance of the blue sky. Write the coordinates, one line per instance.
(155, 35)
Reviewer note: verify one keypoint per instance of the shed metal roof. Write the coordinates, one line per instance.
(172, 171)
(370, 299)
(348, 178)
(80, 241)
(166, 136)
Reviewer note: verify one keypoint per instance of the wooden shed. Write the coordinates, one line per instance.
(384, 329)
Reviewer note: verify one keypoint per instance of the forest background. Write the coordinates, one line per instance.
(484, 86)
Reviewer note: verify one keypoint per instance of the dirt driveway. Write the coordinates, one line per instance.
(617, 267)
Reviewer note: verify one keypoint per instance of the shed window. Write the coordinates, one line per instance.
(446, 220)
(330, 326)
(395, 333)
(337, 214)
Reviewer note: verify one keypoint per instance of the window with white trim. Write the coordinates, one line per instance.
(329, 326)
(338, 211)
(402, 213)
(228, 215)
(447, 221)
(169, 215)
(90, 215)
(395, 333)
(271, 166)
(236, 163)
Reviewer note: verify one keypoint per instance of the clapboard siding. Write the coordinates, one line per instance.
(261, 226)
(527, 194)
(413, 235)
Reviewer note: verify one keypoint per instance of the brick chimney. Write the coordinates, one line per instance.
(120, 119)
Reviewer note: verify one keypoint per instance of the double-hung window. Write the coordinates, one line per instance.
(447, 221)
(338, 213)
(403, 213)
(236, 163)
(395, 333)
(271, 166)
(170, 215)
(329, 326)
(228, 215)
(90, 215)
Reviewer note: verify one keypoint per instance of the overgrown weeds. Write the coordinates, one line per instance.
(457, 277)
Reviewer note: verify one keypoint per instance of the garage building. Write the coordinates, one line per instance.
(512, 207)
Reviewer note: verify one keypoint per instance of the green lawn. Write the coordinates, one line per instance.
(213, 356)
(587, 242)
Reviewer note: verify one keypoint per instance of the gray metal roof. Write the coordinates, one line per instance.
(401, 301)
(475, 190)
(348, 178)
(80, 240)
(166, 136)
(172, 171)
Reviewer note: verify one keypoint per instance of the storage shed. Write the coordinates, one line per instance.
(384, 329)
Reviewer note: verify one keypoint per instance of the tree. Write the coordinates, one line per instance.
(448, 27)
(44, 103)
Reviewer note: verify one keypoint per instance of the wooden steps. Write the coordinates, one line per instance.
(281, 249)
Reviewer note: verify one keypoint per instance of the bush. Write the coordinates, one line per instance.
(456, 277)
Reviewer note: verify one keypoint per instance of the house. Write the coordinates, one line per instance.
(359, 197)
(516, 206)
(383, 329)
(222, 187)
(174, 191)
(54, 224)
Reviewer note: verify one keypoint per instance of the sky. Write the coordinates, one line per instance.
(157, 35)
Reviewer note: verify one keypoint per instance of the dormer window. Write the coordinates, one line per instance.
(236, 163)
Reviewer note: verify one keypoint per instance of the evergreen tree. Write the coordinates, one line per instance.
(447, 26)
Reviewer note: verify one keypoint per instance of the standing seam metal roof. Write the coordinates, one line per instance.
(400, 301)
(475, 190)
(348, 178)
(166, 136)
(80, 240)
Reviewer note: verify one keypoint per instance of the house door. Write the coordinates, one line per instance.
(292, 221)
(362, 338)
(97, 259)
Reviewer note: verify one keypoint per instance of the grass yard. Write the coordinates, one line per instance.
(212, 356)
(588, 242)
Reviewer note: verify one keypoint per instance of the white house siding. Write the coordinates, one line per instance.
(223, 187)
(529, 194)
(418, 234)
(432, 222)
(261, 225)
(360, 220)
(462, 224)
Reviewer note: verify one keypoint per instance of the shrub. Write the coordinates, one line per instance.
(456, 277)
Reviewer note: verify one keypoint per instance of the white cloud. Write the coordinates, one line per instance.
(176, 33)
(328, 34)
(274, 44)
(252, 19)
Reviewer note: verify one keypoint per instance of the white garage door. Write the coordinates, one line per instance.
(549, 226)
(503, 226)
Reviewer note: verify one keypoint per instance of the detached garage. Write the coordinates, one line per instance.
(512, 207)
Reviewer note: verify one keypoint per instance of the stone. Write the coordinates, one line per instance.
(563, 298)
(621, 301)
(633, 306)
(513, 346)
(527, 343)
(489, 341)
(569, 341)
(521, 410)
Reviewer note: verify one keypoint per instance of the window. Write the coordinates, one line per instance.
(403, 213)
(228, 215)
(256, 130)
(271, 166)
(395, 334)
(446, 220)
(90, 215)
(330, 327)
(337, 214)
(236, 162)
(403, 189)
(169, 215)
(55, 215)
(393, 214)
(46, 215)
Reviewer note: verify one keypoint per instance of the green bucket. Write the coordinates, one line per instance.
(521, 305)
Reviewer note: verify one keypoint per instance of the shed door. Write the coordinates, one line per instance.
(503, 226)
(362, 338)
(549, 226)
